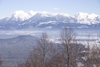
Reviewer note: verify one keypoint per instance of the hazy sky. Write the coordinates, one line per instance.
(7, 7)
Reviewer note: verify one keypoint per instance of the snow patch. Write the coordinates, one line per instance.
(52, 22)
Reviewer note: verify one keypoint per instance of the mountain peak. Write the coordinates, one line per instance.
(18, 16)
(31, 13)
(81, 15)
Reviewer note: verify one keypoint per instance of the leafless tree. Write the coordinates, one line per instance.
(92, 55)
(70, 48)
(49, 54)
(39, 56)
(1, 61)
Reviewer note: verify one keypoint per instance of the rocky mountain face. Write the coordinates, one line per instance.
(30, 20)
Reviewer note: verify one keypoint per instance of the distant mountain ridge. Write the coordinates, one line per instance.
(16, 49)
(22, 20)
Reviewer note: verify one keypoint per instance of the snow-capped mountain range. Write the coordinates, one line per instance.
(22, 20)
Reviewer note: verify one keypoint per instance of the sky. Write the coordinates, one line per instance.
(71, 7)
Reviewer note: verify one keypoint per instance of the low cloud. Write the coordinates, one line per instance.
(56, 8)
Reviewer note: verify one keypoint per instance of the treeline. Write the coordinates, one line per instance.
(68, 53)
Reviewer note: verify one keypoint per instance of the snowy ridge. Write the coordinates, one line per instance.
(82, 18)
(22, 16)
(85, 18)
(21, 19)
